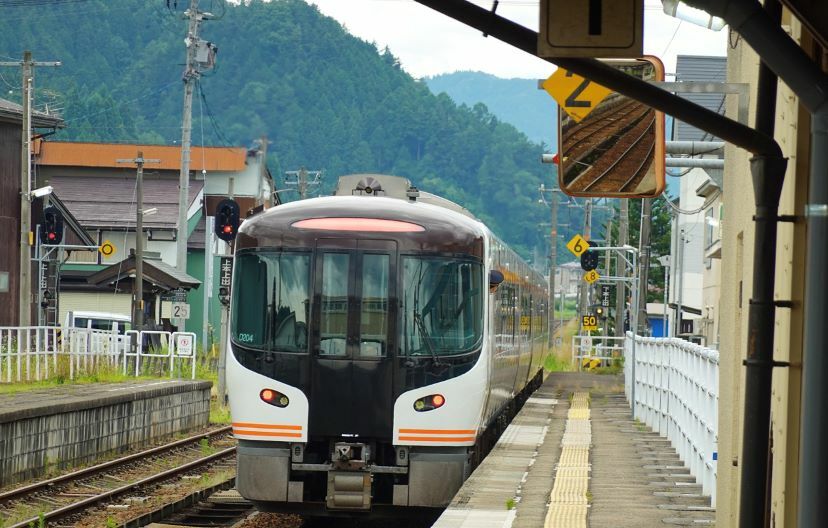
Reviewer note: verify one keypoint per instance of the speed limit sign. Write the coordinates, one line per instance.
(589, 322)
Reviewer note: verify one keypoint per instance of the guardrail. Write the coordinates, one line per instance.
(37, 353)
(676, 394)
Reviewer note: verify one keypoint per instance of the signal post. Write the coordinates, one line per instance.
(226, 227)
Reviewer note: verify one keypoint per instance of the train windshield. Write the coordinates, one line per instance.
(271, 299)
(442, 306)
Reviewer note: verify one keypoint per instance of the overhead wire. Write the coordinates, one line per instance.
(701, 208)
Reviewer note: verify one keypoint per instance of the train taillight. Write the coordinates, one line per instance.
(429, 403)
(274, 398)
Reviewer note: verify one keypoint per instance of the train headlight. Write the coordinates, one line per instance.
(429, 403)
(274, 398)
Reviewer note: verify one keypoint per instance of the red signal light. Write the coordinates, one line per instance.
(227, 229)
(268, 395)
(52, 236)
(556, 158)
(437, 400)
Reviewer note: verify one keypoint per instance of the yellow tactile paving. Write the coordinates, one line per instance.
(569, 515)
(569, 498)
(574, 456)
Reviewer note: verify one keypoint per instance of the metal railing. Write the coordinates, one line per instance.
(37, 353)
(593, 351)
(676, 394)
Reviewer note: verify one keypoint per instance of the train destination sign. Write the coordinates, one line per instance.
(575, 95)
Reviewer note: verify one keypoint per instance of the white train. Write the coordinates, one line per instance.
(380, 340)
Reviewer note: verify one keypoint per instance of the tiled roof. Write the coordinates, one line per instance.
(110, 202)
(155, 272)
(71, 154)
(14, 111)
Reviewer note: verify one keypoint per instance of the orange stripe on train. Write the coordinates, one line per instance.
(246, 432)
(439, 431)
(437, 438)
(268, 426)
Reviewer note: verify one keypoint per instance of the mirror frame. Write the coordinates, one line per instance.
(660, 141)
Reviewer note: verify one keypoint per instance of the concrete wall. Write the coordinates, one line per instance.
(35, 440)
(737, 271)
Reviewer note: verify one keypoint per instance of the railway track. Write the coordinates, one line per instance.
(623, 166)
(68, 496)
(592, 134)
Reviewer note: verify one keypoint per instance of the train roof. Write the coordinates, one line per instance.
(443, 229)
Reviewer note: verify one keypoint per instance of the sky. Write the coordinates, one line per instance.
(428, 43)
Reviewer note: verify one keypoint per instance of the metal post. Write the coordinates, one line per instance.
(553, 262)
(643, 265)
(679, 282)
(582, 285)
(139, 245)
(621, 289)
(222, 366)
(208, 279)
(138, 287)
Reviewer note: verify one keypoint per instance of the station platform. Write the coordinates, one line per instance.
(573, 457)
(64, 426)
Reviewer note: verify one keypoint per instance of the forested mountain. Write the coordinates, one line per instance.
(516, 101)
(324, 99)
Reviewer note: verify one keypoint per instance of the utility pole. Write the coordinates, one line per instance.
(138, 287)
(644, 264)
(305, 179)
(27, 64)
(621, 291)
(189, 78)
(553, 254)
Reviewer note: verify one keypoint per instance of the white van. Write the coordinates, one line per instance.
(98, 321)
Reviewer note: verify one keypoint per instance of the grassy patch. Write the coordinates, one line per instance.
(553, 363)
(615, 368)
(510, 504)
(219, 414)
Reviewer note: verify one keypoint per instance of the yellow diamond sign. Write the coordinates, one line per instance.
(575, 95)
(591, 276)
(577, 245)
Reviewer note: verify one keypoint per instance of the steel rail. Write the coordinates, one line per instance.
(93, 470)
(164, 475)
(635, 143)
(638, 171)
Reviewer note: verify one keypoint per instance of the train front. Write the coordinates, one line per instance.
(357, 377)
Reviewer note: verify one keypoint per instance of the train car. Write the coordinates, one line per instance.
(379, 339)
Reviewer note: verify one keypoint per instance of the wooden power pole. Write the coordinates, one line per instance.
(27, 64)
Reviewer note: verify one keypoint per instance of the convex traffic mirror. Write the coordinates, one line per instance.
(609, 145)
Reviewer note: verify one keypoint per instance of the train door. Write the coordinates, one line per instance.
(353, 339)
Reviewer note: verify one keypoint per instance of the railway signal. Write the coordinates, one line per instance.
(227, 219)
(51, 228)
(589, 259)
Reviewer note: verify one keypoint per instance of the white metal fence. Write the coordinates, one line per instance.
(596, 351)
(676, 394)
(42, 352)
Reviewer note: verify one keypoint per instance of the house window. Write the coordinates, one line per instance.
(4, 281)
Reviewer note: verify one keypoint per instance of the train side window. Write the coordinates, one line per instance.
(373, 318)
(333, 318)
